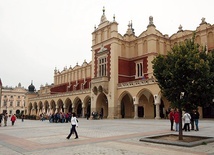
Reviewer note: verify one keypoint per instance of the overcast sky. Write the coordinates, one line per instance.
(38, 35)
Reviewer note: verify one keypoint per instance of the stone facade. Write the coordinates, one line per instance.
(13, 100)
(119, 80)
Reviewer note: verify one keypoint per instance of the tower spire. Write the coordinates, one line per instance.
(103, 18)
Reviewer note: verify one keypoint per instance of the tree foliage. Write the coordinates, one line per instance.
(187, 68)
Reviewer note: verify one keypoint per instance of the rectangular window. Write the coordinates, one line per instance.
(18, 104)
(102, 67)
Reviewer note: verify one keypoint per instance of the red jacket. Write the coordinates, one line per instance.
(176, 117)
(13, 118)
(171, 115)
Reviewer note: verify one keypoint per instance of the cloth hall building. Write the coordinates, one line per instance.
(119, 81)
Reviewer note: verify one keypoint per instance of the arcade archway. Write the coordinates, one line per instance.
(102, 105)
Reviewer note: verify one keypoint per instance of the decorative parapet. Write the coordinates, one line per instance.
(137, 83)
(57, 95)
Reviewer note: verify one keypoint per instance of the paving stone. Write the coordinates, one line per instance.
(97, 137)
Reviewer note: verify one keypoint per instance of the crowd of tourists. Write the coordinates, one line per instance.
(190, 120)
(62, 117)
(59, 117)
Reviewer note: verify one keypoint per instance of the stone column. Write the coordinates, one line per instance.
(43, 110)
(83, 111)
(31, 111)
(73, 109)
(135, 102)
(65, 110)
(157, 100)
(57, 108)
(119, 110)
(50, 109)
(37, 111)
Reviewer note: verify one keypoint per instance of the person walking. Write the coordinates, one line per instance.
(13, 119)
(5, 119)
(74, 124)
(177, 120)
(23, 116)
(171, 118)
(186, 118)
(87, 115)
(196, 118)
(101, 115)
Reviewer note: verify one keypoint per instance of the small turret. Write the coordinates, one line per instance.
(180, 29)
(31, 88)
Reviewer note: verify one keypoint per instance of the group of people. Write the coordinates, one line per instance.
(4, 116)
(96, 115)
(60, 117)
(188, 119)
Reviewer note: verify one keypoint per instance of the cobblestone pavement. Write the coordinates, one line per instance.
(97, 137)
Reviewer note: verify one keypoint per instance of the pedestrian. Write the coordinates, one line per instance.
(5, 119)
(177, 120)
(171, 118)
(67, 117)
(196, 118)
(23, 116)
(186, 118)
(74, 124)
(42, 117)
(13, 119)
(87, 115)
(101, 115)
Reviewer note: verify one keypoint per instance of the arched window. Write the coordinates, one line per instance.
(139, 69)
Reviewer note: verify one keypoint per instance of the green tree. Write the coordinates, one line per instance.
(186, 76)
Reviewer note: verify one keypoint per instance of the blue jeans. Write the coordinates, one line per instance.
(176, 126)
(196, 124)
